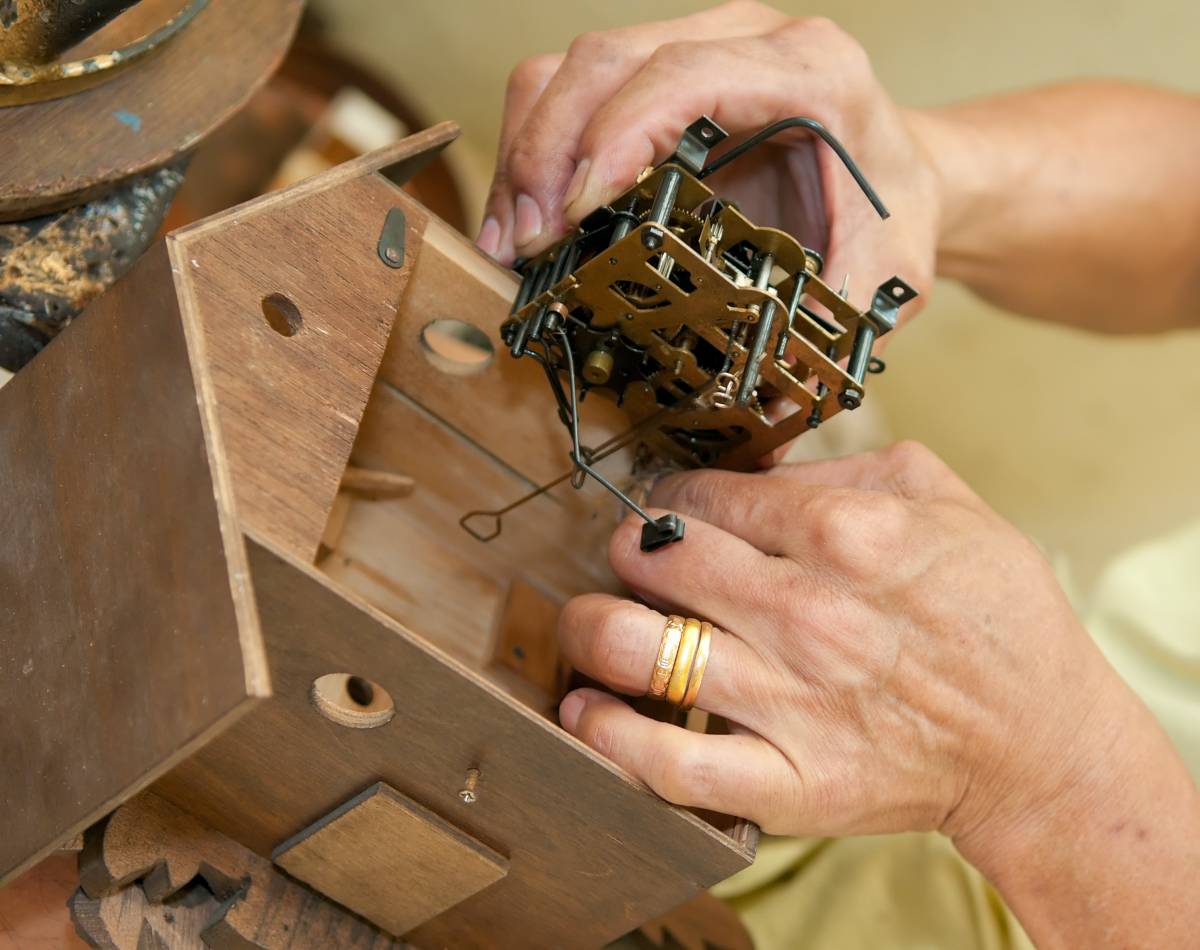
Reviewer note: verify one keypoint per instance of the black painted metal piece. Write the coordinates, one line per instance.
(698, 138)
(391, 239)
(658, 534)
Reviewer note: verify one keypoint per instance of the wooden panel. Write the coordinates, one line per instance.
(123, 645)
(454, 589)
(527, 642)
(410, 557)
(61, 153)
(592, 854)
(387, 858)
(289, 405)
(506, 406)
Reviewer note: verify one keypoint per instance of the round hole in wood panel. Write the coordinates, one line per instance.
(454, 346)
(283, 315)
(352, 701)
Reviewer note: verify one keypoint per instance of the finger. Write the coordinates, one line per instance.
(680, 81)
(526, 84)
(768, 508)
(907, 469)
(616, 642)
(712, 575)
(819, 513)
(733, 774)
(544, 166)
(767, 513)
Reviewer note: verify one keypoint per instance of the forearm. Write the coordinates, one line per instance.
(1113, 857)
(1078, 203)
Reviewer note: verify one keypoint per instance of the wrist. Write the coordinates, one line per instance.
(1111, 828)
(973, 181)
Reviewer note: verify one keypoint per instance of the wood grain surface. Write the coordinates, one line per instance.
(410, 557)
(124, 644)
(592, 854)
(389, 859)
(289, 405)
(505, 406)
(65, 151)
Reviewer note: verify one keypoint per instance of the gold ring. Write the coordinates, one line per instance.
(668, 647)
(688, 642)
(698, 665)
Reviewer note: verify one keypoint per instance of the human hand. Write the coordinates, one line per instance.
(892, 655)
(579, 127)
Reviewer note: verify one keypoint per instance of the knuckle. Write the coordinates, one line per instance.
(909, 455)
(854, 531)
(697, 490)
(609, 647)
(686, 778)
(522, 155)
(571, 619)
(531, 74)
(912, 469)
(673, 56)
(597, 46)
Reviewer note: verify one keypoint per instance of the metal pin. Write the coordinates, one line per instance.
(845, 286)
(467, 792)
(762, 333)
(664, 198)
(793, 303)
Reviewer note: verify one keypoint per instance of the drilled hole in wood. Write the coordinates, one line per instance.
(352, 701)
(283, 315)
(360, 691)
(454, 346)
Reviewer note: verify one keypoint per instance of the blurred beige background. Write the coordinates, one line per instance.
(1089, 444)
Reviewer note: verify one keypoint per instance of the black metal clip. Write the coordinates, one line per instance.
(391, 239)
(698, 138)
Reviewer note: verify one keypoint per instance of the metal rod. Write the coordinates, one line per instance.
(793, 303)
(664, 198)
(541, 276)
(762, 332)
(626, 219)
(860, 352)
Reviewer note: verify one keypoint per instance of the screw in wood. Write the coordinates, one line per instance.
(467, 792)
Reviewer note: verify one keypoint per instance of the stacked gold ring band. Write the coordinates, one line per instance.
(682, 657)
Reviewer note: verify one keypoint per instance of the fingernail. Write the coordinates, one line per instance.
(587, 197)
(577, 180)
(489, 236)
(569, 711)
(529, 221)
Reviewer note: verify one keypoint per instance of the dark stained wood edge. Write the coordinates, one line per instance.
(254, 652)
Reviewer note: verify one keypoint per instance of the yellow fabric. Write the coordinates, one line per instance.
(913, 891)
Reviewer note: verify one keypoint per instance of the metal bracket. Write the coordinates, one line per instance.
(890, 296)
(698, 138)
(391, 239)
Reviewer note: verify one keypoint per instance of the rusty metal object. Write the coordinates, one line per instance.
(34, 80)
(51, 267)
(37, 31)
